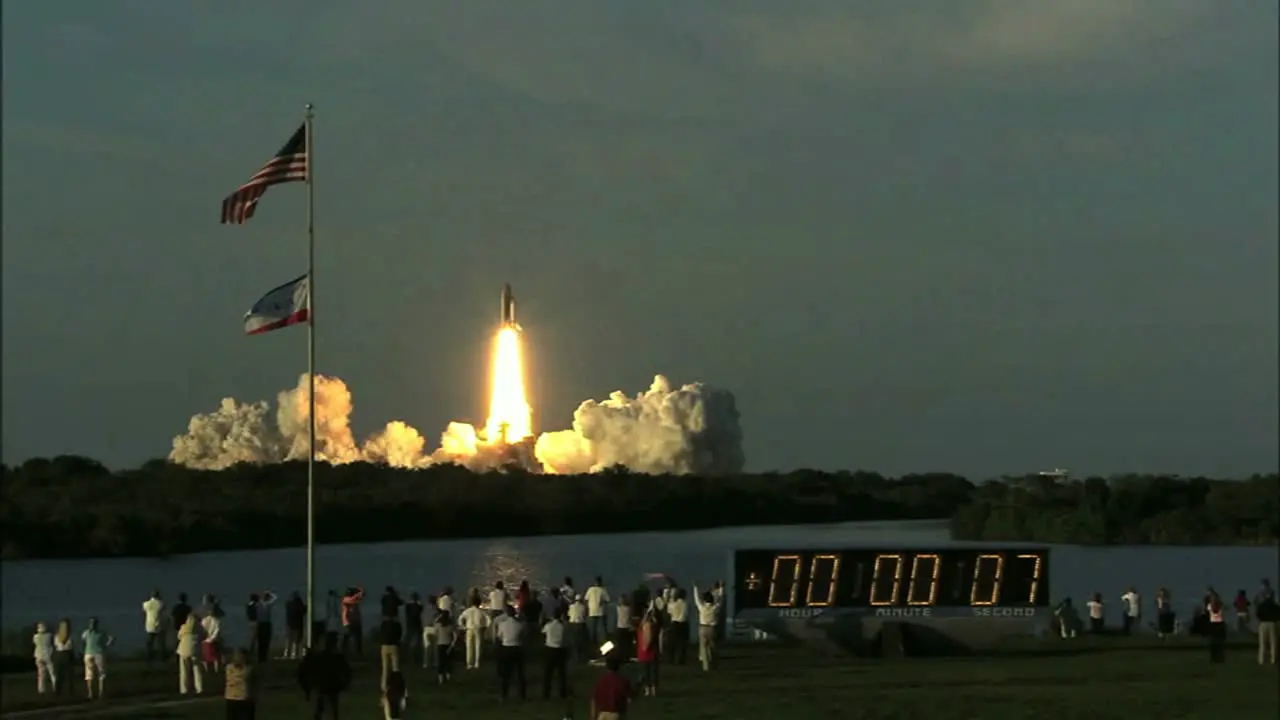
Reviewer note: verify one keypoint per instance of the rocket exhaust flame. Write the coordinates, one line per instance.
(510, 417)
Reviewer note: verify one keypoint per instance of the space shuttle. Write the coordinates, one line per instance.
(507, 310)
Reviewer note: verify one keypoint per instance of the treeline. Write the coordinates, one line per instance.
(74, 507)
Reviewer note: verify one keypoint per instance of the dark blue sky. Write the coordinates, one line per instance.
(989, 236)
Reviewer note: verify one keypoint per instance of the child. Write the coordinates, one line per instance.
(395, 697)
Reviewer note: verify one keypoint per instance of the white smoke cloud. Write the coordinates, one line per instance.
(692, 429)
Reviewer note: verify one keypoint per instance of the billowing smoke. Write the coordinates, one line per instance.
(692, 429)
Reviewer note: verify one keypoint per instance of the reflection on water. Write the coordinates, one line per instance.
(114, 589)
(501, 561)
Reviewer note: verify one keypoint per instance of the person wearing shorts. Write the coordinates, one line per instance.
(95, 643)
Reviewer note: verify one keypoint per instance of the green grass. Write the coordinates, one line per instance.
(1088, 678)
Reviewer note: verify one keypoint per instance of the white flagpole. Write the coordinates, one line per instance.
(311, 375)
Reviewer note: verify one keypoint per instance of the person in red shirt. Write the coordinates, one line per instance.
(647, 652)
(612, 693)
(1241, 605)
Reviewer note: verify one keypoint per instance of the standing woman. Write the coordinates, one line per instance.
(190, 670)
(647, 651)
(211, 648)
(46, 676)
(63, 659)
(1164, 613)
(1217, 628)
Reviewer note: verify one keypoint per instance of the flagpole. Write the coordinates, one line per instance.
(311, 379)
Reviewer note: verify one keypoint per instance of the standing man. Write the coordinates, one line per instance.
(413, 627)
(1132, 604)
(597, 598)
(708, 620)
(473, 621)
(295, 621)
(391, 634)
(180, 612)
(509, 631)
(152, 613)
(678, 636)
(1267, 610)
(497, 606)
(352, 624)
(265, 602)
(578, 629)
(556, 657)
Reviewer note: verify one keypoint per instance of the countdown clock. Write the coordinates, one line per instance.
(892, 582)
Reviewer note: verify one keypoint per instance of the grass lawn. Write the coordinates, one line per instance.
(1103, 678)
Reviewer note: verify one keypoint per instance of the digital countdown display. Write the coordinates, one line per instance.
(873, 579)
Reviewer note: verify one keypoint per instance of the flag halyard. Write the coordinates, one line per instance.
(291, 164)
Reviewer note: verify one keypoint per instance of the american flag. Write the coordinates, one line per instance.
(288, 165)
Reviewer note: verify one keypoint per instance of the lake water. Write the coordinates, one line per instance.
(114, 589)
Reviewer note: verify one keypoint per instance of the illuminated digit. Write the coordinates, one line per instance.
(813, 576)
(1035, 577)
(994, 566)
(881, 570)
(924, 568)
(778, 565)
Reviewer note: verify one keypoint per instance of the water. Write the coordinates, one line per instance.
(114, 589)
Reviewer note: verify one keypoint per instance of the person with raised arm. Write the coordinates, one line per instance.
(352, 623)
(708, 618)
(266, 600)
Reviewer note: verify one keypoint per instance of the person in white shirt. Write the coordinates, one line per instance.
(152, 622)
(1097, 615)
(597, 598)
(473, 622)
(429, 632)
(578, 629)
(708, 618)
(444, 603)
(555, 657)
(46, 676)
(497, 606)
(567, 591)
(509, 631)
(1132, 609)
(211, 647)
(189, 666)
(678, 635)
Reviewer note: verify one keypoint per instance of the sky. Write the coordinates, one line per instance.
(985, 237)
